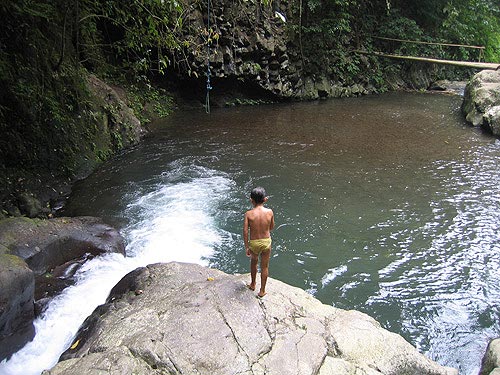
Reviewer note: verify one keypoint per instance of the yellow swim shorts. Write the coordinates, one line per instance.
(260, 245)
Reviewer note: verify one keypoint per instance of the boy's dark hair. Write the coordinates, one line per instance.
(258, 194)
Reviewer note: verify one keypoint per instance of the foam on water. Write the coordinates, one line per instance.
(175, 221)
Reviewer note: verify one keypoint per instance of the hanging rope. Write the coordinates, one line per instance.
(209, 87)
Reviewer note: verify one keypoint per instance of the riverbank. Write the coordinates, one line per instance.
(105, 127)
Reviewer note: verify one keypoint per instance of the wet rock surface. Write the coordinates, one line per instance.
(17, 285)
(46, 244)
(491, 360)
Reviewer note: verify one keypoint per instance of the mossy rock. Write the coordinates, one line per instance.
(481, 94)
(11, 261)
(17, 304)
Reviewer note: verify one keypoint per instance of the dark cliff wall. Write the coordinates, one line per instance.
(283, 52)
(258, 52)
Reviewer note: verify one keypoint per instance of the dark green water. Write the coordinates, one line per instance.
(386, 204)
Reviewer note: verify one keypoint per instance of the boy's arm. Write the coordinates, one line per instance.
(271, 225)
(245, 234)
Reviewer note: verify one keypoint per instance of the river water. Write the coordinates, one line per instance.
(385, 204)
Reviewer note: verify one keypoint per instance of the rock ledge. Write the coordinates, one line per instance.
(186, 319)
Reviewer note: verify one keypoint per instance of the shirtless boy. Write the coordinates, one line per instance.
(260, 221)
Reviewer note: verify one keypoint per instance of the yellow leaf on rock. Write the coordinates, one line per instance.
(75, 344)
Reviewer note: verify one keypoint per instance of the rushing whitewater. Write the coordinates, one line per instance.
(175, 221)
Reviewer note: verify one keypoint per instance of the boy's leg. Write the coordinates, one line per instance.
(264, 271)
(253, 269)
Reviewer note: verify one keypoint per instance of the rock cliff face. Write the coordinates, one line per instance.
(255, 48)
(481, 104)
(259, 50)
(118, 125)
(185, 319)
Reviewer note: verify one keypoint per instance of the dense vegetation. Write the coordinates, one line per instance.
(338, 27)
(47, 48)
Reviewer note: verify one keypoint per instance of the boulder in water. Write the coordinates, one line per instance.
(186, 319)
(491, 360)
(481, 94)
(491, 119)
(452, 87)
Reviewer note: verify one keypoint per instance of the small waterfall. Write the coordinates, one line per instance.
(173, 222)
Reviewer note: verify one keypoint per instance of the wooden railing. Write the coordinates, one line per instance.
(480, 48)
(465, 64)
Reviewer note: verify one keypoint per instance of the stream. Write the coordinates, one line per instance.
(387, 204)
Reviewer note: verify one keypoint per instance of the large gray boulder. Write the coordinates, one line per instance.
(481, 94)
(185, 319)
(491, 119)
(37, 260)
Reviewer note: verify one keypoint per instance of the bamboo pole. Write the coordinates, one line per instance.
(465, 64)
(430, 43)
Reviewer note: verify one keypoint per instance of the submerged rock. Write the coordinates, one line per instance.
(185, 319)
(452, 87)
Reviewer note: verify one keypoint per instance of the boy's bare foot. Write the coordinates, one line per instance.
(251, 287)
(260, 295)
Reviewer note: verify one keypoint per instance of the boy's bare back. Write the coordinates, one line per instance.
(260, 220)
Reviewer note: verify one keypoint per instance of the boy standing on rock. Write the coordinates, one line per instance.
(260, 221)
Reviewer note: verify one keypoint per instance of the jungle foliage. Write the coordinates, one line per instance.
(48, 46)
(336, 28)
